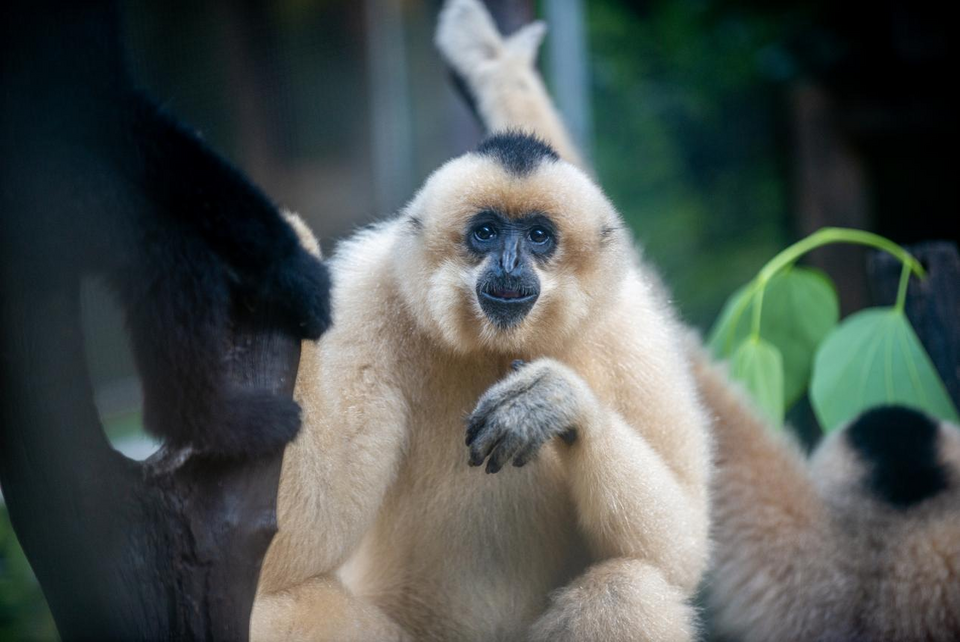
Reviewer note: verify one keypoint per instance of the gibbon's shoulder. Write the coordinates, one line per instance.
(363, 257)
(644, 298)
(362, 273)
(367, 247)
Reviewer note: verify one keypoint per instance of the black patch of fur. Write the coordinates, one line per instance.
(519, 153)
(900, 446)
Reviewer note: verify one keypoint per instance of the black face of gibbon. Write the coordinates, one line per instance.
(508, 288)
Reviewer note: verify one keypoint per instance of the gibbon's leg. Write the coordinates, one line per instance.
(320, 609)
(776, 568)
(648, 525)
(334, 478)
(499, 75)
(619, 599)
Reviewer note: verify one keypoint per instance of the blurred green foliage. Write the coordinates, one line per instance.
(690, 138)
(23, 611)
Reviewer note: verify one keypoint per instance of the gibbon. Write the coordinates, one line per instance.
(861, 542)
(180, 236)
(502, 318)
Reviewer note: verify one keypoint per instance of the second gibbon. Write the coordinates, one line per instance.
(502, 318)
(860, 542)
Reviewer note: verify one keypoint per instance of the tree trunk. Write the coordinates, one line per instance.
(165, 549)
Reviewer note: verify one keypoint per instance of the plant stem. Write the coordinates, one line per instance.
(902, 288)
(826, 236)
(757, 308)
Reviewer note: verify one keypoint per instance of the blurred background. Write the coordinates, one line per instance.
(722, 130)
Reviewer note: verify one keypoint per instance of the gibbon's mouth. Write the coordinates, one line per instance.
(508, 295)
(506, 305)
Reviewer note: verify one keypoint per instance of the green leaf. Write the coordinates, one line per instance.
(758, 365)
(872, 359)
(799, 309)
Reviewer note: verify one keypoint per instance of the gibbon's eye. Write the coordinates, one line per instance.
(484, 233)
(539, 235)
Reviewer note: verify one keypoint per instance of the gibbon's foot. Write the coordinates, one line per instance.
(469, 40)
(301, 284)
(252, 423)
(518, 414)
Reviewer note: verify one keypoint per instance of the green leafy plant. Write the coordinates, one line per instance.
(781, 335)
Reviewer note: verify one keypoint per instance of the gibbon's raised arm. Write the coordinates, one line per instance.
(500, 76)
(332, 484)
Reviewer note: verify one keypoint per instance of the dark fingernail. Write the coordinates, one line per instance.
(516, 364)
(492, 467)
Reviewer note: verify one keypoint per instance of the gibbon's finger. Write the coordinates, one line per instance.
(504, 451)
(484, 444)
(475, 424)
(526, 454)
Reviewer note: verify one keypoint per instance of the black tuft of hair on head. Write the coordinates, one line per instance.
(900, 447)
(518, 152)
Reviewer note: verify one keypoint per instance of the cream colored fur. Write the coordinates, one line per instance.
(387, 533)
(447, 551)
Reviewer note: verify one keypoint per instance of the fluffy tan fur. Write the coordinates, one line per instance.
(803, 551)
(449, 552)
(386, 532)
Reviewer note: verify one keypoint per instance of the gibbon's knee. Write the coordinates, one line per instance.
(320, 610)
(616, 601)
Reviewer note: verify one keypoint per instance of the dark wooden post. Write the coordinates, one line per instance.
(170, 548)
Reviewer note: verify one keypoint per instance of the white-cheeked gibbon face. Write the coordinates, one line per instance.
(509, 249)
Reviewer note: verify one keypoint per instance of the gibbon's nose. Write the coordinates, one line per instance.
(510, 258)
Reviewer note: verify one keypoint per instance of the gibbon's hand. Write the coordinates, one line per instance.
(518, 414)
